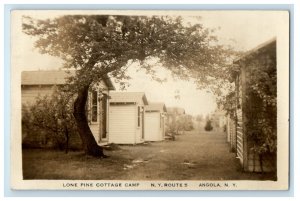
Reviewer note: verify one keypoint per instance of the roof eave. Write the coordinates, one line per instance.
(145, 100)
(252, 51)
(109, 83)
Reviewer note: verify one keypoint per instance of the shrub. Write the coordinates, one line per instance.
(49, 122)
(181, 123)
(208, 126)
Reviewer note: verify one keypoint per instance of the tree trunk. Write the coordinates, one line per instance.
(261, 163)
(89, 143)
(67, 139)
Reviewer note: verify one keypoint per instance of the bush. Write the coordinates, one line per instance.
(49, 122)
(208, 126)
(225, 128)
(181, 123)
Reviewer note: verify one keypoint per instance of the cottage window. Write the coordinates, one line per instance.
(94, 106)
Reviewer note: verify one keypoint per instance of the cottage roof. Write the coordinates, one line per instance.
(128, 97)
(156, 107)
(53, 77)
(262, 47)
(175, 110)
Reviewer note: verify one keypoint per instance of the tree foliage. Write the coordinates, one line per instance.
(97, 45)
(186, 122)
(260, 92)
(52, 116)
(180, 123)
(199, 118)
(262, 95)
(208, 125)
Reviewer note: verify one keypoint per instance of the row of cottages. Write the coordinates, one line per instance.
(134, 120)
(114, 117)
(247, 108)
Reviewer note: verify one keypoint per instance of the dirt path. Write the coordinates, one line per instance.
(194, 155)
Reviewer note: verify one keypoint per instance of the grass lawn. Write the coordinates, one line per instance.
(192, 156)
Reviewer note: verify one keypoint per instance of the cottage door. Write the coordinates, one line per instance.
(163, 126)
(103, 118)
(143, 124)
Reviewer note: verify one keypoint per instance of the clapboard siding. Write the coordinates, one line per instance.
(153, 130)
(228, 127)
(231, 133)
(95, 130)
(122, 124)
(30, 93)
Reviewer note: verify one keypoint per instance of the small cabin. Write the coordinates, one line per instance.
(42, 83)
(127, 117)
(155, 116)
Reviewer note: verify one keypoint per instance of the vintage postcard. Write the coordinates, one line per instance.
(150, 99)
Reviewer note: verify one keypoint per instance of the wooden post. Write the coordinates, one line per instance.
(244, 117)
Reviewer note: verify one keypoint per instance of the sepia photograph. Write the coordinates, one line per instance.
(150, 100)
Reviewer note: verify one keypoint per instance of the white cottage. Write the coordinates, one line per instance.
(126, 117)
(155, 116)
(41, 83)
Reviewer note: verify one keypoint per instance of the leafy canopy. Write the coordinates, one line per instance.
(96, 45)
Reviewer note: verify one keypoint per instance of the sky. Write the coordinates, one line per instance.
(243, 30)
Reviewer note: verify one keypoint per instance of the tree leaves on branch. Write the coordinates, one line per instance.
(100, 45)
(96, 45)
